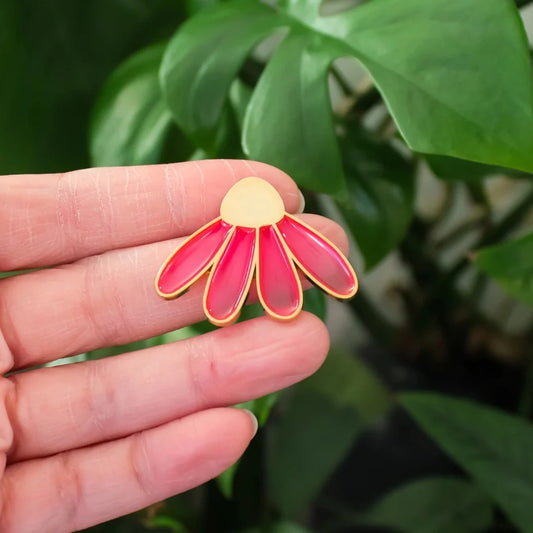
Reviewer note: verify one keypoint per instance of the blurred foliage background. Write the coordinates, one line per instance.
(411, 123)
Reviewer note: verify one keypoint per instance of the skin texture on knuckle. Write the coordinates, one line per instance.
(100, 397)
(7, 409)
(140, 465)
(11, 343)
(5, 505)
(203, 369)
(60, 482)
(68, 484)
(6, 357)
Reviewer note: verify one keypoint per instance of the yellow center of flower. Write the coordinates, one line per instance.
(252, 203)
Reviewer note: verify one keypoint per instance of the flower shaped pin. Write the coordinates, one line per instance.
(254, 235)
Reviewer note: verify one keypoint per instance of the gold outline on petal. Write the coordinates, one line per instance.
(229, 320)
(296, 277)
(175, 294)
(312, 278)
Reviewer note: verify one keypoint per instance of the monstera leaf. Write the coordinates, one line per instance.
(433, 62)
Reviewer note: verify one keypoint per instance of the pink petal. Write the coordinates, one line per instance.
(319, 260)
(278, 285)
(191, 259)
(231, 277)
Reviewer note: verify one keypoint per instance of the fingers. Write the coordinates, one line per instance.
(103, 300)
(70, 406)
(57, 218)
(77, 489)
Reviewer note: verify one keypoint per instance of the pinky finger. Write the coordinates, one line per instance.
(79, 488)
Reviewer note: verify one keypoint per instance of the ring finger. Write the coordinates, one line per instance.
(54, 409)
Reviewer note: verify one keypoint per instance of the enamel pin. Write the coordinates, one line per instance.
(254, 234)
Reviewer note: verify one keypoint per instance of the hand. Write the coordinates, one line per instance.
(87, 442)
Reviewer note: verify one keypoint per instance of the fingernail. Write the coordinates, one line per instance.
(301, 207)
(254, 421)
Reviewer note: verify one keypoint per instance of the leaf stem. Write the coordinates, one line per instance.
(509, 221)
(366, 101)
(460, 231)
(498, 231)
(525, 405)
(341, 81)
(374, 322)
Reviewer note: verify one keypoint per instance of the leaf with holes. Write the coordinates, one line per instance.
(419, 53)
(204, 57)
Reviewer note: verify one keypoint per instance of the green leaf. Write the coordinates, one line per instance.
(433, 505)
(419, 53)
(219, 41)
(511, 264)
(280, 527)
(194, 6)
(289, 122)
(261, 408)
(165, 522)
(322, 418)
(434, 63)
(306, 12)
(239, 96)
(381, 185)
(453, 169)
(315, 302)
(226, 479)
(203, 58)
(54, 58)
(130, 120)
(494, 447)
(17, 272)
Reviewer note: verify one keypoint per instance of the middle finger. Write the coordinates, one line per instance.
(101, 301)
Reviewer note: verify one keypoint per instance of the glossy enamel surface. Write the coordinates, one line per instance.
(319, 259)
(231, 277)
(278, 285)
(191, 259)
(255, 235)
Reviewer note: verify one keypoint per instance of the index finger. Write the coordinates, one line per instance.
(57, 218)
